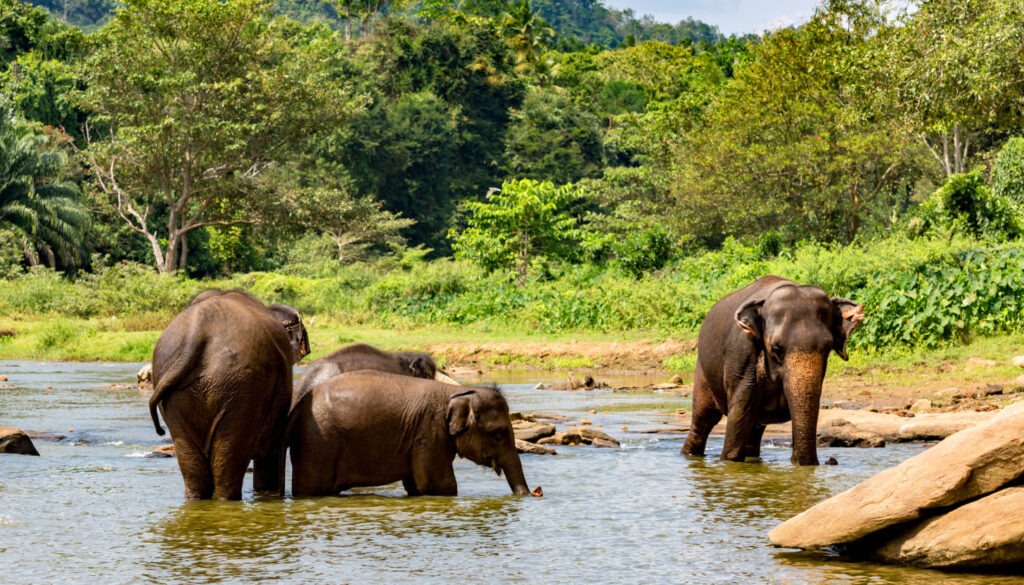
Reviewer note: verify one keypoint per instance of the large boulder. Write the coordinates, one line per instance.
(984, 533)
(968, 464)
(16, 441)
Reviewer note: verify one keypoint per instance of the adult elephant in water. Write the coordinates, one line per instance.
(370, 428)
(360, 356)
(222, 378)
(761, 358)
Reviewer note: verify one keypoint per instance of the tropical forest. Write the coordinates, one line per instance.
(489, 169)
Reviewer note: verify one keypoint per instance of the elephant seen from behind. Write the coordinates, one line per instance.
(222, 378)
(761, 358)
(371, 428)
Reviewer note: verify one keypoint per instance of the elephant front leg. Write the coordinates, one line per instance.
(741, 422)
(433, 475)
(409, 483)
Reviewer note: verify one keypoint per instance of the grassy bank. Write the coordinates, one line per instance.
(927, 300)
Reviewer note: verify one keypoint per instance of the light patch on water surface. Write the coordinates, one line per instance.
(6, 520)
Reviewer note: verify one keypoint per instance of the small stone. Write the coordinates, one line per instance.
(1018, 361)
(540, 386)
(16, 441)
(624, 428)
(677, 380)
(979, 362)
(3, 378)
(1019, 380)
(831, 461)
(537, 492)
(48, 388)
(592, 411)
(585, 421)
(992, 390)
(161, 451)
(922, 405)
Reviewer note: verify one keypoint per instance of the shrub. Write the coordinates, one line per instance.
(1008, 172)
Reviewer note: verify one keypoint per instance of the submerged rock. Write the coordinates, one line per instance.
(162, 451)
(968, 464)
(16, 442)
(581, 436)
(532, 431)
(527, 447)
(842, 434)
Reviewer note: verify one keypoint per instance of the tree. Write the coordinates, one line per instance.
(956, 71)
(193, 100)
(522, 221)
(528, 34)
(37, 201)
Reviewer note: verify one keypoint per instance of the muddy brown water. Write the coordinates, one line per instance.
(92, 509)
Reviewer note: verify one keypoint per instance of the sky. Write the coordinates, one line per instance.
(730, 16)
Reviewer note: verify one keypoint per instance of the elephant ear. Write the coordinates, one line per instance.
(422, 368)
(846, 317)
(292, 323)
(460, 412)
(748, 318)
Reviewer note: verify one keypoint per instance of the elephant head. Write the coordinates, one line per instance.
(420, 365)
(796, 327)
(478, 419)
(292, 322)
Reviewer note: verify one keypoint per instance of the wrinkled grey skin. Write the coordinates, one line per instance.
(360, 356)
(761, 358)
(222, 380)
(370, 428)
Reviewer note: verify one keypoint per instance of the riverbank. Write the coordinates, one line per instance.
(954, 376)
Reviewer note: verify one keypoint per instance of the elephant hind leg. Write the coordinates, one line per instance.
(195, 470)
(705, 416)
(753, 448)
(229, 462)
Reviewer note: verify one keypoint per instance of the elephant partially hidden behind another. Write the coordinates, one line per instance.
(222, 378)
(360, 356)
(761, 358)
(371, 428)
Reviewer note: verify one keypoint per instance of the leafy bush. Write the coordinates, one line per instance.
(1008, 172)
(644, 251)
(965, 204)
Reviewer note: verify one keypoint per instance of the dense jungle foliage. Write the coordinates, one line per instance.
(555, 165)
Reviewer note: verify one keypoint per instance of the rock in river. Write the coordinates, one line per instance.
(581, 436)
(16, 441)
(532, 431)
(986, 532)
(966, 465)
(842, 434)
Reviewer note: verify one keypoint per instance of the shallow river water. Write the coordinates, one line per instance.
(92, 509)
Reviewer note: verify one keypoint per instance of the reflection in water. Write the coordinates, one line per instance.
(757, 489)
(212, 542)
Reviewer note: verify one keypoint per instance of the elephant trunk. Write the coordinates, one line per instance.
(512, 467)
(802, 386)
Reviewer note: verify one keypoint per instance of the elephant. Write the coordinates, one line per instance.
(360, 356)
(762, 352)
(370, 428)
(222, 378)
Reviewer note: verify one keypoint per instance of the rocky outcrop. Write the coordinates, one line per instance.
(581, 436)
(144, 376)
(16, 442)
(967, 465)
(986, 532)
(842, 434)
(533, 448)
(532, 431)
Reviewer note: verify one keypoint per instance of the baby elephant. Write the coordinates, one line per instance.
(371, 428)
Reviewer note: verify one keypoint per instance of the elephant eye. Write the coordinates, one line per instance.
(777, 351)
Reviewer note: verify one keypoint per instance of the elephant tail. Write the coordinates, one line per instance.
(166, 380)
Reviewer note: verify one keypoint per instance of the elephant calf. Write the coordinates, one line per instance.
(371, 428)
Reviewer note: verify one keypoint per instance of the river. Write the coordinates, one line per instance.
(93, 509)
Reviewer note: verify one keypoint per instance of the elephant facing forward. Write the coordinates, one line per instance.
(371, 428)
(761, 358)
(222, 378)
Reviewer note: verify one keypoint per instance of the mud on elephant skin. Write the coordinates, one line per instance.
(360, 356)
(222, 378)
(761, 358)
(371, 428)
